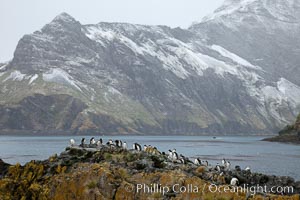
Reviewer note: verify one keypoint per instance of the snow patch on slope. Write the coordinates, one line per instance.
(228, 7)
(60, 76)
(289, 90)
(102, 36)
(187, 56)
(114, 91)
(3, 67)
(282, 94)
(99, 35)
(33, 78)
(132, 45)
(220, 67)
(15, 76)
(233, 57)
(170, 62)
(111, 94)
(180, 58)
(280, 10)
(283, 91)
(176, 56)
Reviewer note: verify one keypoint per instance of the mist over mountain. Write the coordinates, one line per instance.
(234, 72)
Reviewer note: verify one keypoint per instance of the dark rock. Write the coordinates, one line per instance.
(297, 185)
(142, 164)
(158, 162)
(3, 168)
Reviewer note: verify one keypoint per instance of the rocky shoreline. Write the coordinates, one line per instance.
(111, 172)
(290, 134)
(291, 139)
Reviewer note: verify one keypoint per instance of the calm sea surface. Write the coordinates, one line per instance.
(264, 157)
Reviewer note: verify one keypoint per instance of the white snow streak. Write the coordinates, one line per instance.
(33, 78)
(15, 76)
(233, 57)
(60, 76)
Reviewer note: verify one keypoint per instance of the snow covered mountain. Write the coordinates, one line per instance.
(233, 73)
(264, 32)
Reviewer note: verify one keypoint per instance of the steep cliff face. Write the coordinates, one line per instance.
(211, 78)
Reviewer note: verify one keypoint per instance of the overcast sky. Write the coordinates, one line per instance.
(19, 17)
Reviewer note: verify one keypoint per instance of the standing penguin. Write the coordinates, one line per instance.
(145, 147)
(92, 140)
(234, 182)
(124, 146)
(197, 161)
(223, 161)
(99, 142)
(218, 167)
(174, 154)
(137, 147)
(170, 155)
(82, 143)
(227, 166)
(72, 142)
(110, 143)
(118, 143)
(92, 143)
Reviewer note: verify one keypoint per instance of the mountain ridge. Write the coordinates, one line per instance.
(150, 79)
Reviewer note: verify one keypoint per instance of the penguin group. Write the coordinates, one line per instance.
(219, 170)
(92, 144)
(116, 144)
(224, 170)
(99, 143)
(173, 156)
(227, 165)
(199, 162)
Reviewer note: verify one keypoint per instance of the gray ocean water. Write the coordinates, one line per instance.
(264, 157)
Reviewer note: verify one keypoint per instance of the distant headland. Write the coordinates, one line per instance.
(290, 134)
